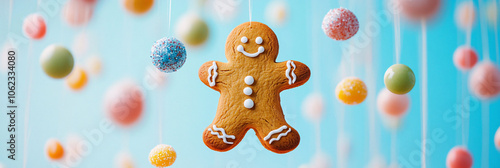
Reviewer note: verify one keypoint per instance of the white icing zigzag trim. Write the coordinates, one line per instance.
(275, 132)
(214, 68)
(223, 136)
(287, 73)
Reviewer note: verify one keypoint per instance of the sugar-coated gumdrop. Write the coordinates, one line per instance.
(497, 139)
(313, 107)
(34, 26)
(492, 13)
(77, 12)
(391, 104)
(465, 57)
(277, 12)
(484, 80)
(192, 29)
(54, 149)
(465, 15)
(351, 91)
(77, 79)
(399, 79)
(168, 54)
(124, 160)
(419, 9)
(124, 103)
(340, 24)
(94, 65)
(56, 61)
(138, 6)
(162, 155)
(459, 157)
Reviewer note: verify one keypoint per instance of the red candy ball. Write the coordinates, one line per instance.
(340, 24)
(391, 104)
(459, 157)
(419, 9)
(34, 26)
(484, 80)
(465, 58)
(124, 103)
(77, 12)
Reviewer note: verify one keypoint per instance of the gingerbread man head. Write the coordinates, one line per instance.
(250, 84)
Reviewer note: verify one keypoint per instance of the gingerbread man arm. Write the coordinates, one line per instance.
(294, 73)
(214, 73)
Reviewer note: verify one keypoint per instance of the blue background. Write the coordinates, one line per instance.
(123, 42)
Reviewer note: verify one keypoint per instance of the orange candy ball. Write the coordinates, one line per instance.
(459, 157)
(54, 149)
(77, 79)
(138, 6)
(162, 156)
(351, 91)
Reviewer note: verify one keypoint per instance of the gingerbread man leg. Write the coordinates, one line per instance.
(278, 137)
(223, 135)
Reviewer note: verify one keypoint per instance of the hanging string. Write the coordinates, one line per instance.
(394, 155)
(27, 109)
(495, 26)
(397, 36)
(10, 14)
(250, 11)
(315, 59)
(486, 137)
(484, 31)
(169, 15)
(424, 92)
(160, 135)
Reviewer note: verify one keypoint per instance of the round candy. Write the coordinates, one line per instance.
(81, 44)
(465, 15)
(391, 104)
(168, 54)
(351, 91)
(459, 157)
(313, 107)
(192, 29)
(138, 6)
(77, 79)
(484, 80)
(340, 24)
(77, 12)
(277, 12)
(124, 160)
(497, 139)
(162, 156)
(465, 58)
(419, 9)
(54, 149)
(124, 103)
(492, 13)
(399, 79)
(94, 65)
(56, 61)
(34, 26)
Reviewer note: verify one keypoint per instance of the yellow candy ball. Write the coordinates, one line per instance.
(77, 79)
(162, 156)
(351, 91)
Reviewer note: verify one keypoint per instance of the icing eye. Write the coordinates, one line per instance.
(244, 39)
(258, 40)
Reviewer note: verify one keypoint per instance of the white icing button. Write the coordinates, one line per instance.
(249, 80)
(244, 39)
(248, 91)
(258, 40)
(248, 103)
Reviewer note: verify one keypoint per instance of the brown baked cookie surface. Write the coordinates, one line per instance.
(250, 84)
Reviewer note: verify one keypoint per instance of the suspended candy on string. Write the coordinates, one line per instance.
(94, 65)
(56, 61)
(77, 79)
(351, 91)
(77, 12)
(124, 102)
(399, 79)
(124, 160)
(492, 13)
(192, 29)
(313, 106)
(459, 157)
(391, 104)
(162, 156)
(465, 58)
(277, 12)
(465, 15)
(138, 7)
(340, 24)
(34, 26)
(484, 80)
(419, 9)
(54, 149)
(168, 54)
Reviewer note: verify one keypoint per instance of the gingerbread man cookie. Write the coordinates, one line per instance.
(250, 84)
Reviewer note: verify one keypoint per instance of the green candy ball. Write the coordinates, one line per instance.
(192, 29)
(399, 79)
(56, 61)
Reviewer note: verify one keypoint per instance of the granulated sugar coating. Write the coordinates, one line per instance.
(340, 24)
(351, 91)
(162, 156)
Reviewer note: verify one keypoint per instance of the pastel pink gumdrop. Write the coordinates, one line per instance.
(34, 26)
(465, 15)
(391, 104)
(484, 80)
(497, 139)
(313, 107)
(340, 24)
(459, 157)
(465, 58)
(124, 103)
(77, 12)
(419, 9)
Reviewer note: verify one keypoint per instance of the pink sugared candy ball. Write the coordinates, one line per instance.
(340, 24)
(459, 157)
(77, 12)
(124, 103)
(391, 104)
(419, 9)
(34, 26)
(484, 81)
(465, 58)
(497, 139)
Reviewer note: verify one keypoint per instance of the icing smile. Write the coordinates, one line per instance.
(244, 39)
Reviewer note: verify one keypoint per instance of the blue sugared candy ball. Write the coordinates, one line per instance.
(168, 54)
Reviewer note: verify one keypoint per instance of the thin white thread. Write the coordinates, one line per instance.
(169, 15)
(394, 156)
(10, 14)
(485, 120)
(27, 110)
(160, 127)
(397, 36)
(484, 31)
(250, 11)
(424, 92)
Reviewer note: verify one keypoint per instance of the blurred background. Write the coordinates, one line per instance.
(112, 43)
